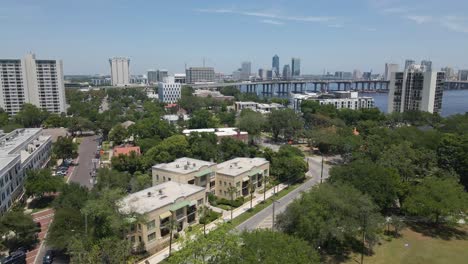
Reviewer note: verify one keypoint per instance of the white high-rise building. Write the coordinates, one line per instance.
(38, 82)
(120, 71)
(169, 91)
(389, 68)
(416, 89)
(408, 63)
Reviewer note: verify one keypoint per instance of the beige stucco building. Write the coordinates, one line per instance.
(239, 172)
(186, 170)
(159, 204)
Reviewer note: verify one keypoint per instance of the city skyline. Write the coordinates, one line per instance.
(331, 36)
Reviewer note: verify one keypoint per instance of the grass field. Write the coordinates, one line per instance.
(416, 248)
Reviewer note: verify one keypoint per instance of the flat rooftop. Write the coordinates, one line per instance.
(225, 131)
(157, 196)
(7, 159)
(11, 141)
(238, 166)
(183, 165)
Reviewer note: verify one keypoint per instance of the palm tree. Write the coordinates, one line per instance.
(252, 190)
(264, 187)
(203, 219)
(232, 190)
(172, 224)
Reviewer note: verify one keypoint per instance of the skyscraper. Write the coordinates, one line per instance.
(427, 64)
(463, 75)
(120, 71)
(357, 74)
(38, 82)
(152, 76)
(449, 72)
(245, 70)
(408, 63)
(275, 65)
(286, 72)
(389, 68)
(261, 73)
(296, 67)
(416, 89)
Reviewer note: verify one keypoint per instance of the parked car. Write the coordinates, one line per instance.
(48, 257)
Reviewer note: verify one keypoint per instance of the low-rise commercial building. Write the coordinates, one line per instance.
(160, 205)
(186, 170)
(257, 107)
(213, 94)
(240, 173)
(224, 132)
(20, 151)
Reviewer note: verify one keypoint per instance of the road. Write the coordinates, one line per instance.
(86, 153)
(263, 219)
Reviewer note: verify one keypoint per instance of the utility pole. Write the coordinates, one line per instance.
(273, 216)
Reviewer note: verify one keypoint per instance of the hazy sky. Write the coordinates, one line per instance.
(325, 34)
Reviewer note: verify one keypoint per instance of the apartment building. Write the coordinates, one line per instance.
(257, 107)
(20, 151)
(339, 99)
(222, 132)
(186, 170)
(28, 80)
(160, 204)
(416, 89)
(240, 173)
(120, 71)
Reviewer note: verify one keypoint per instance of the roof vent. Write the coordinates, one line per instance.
(185, 167)
(177, 165)
(160, 191)
(149, 194)
(194, 164)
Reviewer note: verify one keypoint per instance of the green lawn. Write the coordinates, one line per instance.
(417, 248)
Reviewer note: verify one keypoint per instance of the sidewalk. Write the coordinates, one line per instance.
(161, 255)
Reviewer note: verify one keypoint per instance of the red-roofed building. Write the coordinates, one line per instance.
(126, 150)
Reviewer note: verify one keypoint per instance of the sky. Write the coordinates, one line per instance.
(328, 35)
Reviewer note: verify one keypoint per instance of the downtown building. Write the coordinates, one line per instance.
(339, 99)
(21, 150)
(120, 71)
(416, 89)
(275, 66)
(28, 80)
(199, 74)
(296, 67)
(389, 68)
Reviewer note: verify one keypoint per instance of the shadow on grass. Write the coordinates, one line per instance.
(41, 203)
(439, 231)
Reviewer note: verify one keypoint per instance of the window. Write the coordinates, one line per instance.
(200, 202)
(152, 236)
(237, 184)
(150, 225)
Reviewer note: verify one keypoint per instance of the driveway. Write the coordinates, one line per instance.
(86, 153)
(264, 219)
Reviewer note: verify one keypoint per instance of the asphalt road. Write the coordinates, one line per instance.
(86, 153)
(281, 204)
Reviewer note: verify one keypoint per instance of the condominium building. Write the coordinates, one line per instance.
(169, 91)
(21, 150)
(38, 82)
(275, 65)
(389, 68)
(152, 76)
(287, 72)
(257, 107)
(199, 74)
(339, 99)
(416, 89)
(120, 71)
(186, 170)
(161, 204)
(246, 70)
(242, 173)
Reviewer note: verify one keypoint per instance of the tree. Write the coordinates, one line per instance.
(203, 146)
(118, 134)
(438, 200)
(140, 181)
(169, 149)
(4, 118)
(130, 163)
(72, 195)
(202, 119)
(288, 168)
(331, 217)
(285, 123)
(380, 183)
(452, 154)
(232, 190)
(18, 230)
(112, 179)
(252, 122)
(230, 148)
(68, 224)
(80, 124)
(39, 182)
(55, 120)
(65, 148)
(30, 116)
(219, 246)
(252, 187)
(171, 225)
(267, 246)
